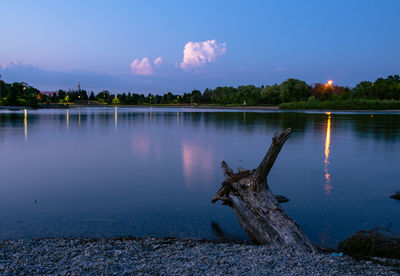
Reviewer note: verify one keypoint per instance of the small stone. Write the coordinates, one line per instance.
(396, 196)
(281, 198)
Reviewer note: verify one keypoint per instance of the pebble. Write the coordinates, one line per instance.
(170, 256)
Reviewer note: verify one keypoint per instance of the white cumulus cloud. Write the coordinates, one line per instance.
(145, 67)
(199, 53)
(142, 67)
(158, 61)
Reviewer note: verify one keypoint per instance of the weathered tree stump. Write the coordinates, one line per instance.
(256, 208)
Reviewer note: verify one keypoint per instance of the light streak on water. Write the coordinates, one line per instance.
(327, 186)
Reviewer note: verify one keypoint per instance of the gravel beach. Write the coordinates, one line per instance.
(169, 256)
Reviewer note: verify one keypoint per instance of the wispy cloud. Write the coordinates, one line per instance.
(10, 64)
(158, 61)
(42, 79)
(197, 54)
(280, 69)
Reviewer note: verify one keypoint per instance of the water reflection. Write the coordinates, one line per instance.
(141, 146)
(115, 117)
(150, 114)
(25, 124)
(328, 187)
(157, 179)
(79, 117)
(197, 163)
(67, 119)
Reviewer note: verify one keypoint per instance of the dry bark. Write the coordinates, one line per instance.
(256, 208)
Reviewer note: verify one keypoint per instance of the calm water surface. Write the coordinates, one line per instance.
(118, 172)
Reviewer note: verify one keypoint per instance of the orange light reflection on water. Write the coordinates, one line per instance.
(327, 186)
(25, 124)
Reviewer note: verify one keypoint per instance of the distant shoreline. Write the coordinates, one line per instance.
(252, 108)
(237, 107)
(204, 107)
(65, 106)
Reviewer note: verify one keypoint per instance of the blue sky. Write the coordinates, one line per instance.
(114, 44)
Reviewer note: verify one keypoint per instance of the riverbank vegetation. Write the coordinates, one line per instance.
(18, 94)
(290, 94)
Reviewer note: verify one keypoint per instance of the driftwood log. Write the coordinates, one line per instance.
(256, 208)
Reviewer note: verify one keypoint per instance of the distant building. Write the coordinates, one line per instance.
(43, 93)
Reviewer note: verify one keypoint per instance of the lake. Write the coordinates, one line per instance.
(106, 172)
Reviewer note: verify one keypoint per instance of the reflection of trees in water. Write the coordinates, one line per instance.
(297, 121)
(226, 121)
(247, 121)
(378, 126)
(10, 121)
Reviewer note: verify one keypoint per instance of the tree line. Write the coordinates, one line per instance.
(290, 90)
(18, 94)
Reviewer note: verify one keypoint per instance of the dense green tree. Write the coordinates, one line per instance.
(363, 90)
(206, 98)
(223, 95)
(271, 94)
(122, 98)
(61, 94)
(20, 94)
(104, 96)
(249, 94)
(195, 96)
(388, 88)
(54, 98)
(92, 97)
(168, 98)
(115, 101)
(294, 90)
(3, 90)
